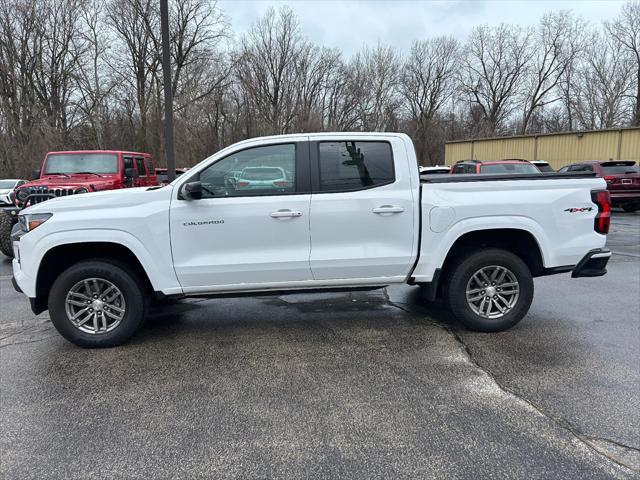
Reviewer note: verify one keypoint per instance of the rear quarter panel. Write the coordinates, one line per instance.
(540, 207)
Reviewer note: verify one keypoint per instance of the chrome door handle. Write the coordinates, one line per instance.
(382, 209)
(286, 213)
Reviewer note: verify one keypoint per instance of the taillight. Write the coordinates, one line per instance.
(242, 184)
(281, 184)
(609, 179)
(603, 218)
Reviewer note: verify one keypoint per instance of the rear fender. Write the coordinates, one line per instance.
(435, 247)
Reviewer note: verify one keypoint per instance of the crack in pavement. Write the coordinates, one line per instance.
(622, 455)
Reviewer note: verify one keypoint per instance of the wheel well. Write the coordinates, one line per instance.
(518, 242)
(59, 258)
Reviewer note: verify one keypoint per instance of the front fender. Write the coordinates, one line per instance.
(160, 272)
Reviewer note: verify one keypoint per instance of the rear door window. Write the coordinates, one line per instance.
(149, 164)
(140, 166)
(354, 165)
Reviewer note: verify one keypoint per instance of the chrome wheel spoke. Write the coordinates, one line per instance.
(77, 303)
(111, 315)
(117, 309)
(79, 295)
(84, 320)
(80, 312)
(485, 277)
(95, 306)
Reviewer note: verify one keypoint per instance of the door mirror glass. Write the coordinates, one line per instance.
(35, 174)
(192, 190)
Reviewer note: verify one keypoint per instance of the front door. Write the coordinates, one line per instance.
(362, 211)
(251, 228)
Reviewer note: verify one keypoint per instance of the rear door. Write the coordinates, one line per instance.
(142, 179)
(362, 209)
(152, 179)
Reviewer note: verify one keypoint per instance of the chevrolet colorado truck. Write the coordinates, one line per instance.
(72, 173)
(345, 211)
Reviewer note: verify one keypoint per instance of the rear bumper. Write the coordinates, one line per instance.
(618, 197)
(593, 264)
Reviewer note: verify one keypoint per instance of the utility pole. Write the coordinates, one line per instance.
(168, 94)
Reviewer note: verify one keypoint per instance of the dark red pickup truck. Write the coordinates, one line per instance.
(622, 177)
(77, 172)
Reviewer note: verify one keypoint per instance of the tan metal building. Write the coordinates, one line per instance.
(556, 148)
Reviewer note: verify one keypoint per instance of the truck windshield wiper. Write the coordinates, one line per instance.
(88, 173)
(57, 173)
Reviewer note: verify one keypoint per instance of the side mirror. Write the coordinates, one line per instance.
(192, 190)
(35, 174)
(130, 173)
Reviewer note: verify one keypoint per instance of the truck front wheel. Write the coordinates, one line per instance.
(97, 304)
(490, 290)
(6, 224)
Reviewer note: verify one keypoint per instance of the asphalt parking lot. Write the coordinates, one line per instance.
(362, 385)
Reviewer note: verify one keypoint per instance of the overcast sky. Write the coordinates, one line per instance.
(351, 24)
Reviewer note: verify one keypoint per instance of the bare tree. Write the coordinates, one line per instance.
(495, 64)
(134, 22)
(603, 85)
(373, 81)
(95, 79)
(556, 46)
(315, 70)
(266, 68)
(626, 30)
(426, 84)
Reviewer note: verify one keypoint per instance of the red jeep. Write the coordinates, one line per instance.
(77, 172)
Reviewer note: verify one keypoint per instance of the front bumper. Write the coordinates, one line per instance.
(593, 264)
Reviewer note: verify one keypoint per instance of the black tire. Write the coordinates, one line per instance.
(129, 284)
(6, 224)
(630, 208)
(463, 271)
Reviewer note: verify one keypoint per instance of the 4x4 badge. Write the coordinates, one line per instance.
(575, 210)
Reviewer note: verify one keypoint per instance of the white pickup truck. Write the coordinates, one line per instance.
(308, 212)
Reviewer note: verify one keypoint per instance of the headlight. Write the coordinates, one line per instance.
(82, 190)
(22, 194)
(30, 221)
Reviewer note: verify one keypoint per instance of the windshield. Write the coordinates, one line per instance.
(509, 168)
(620, 169)
(7, 184)
(81, 162)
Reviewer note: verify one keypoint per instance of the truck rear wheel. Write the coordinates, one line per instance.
(6, 224)
(96, 304)
(490, 290)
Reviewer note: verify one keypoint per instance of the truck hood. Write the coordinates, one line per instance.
(108, 199)
(74, 181)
